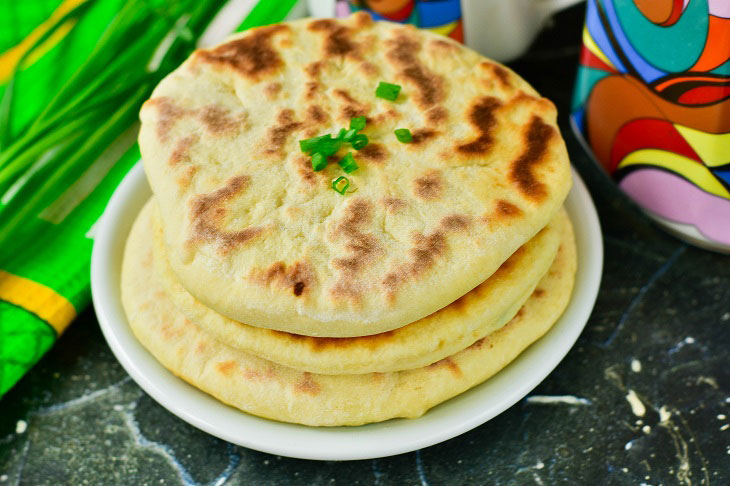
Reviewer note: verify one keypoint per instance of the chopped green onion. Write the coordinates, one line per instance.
(341, 133)
(319, 162)
(387, 91)
(348, 163)
(329, 147)
(341, 184)
(358, 123)
(359, 141)
(403, 135)
(310, 145)
(349, 134)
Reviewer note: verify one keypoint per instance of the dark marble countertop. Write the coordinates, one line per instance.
(658, 343)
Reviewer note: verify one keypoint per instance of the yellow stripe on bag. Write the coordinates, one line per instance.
(42, 301)
(10, 58)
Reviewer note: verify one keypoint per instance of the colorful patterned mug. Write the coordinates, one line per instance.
(499, 29)
(652, 103)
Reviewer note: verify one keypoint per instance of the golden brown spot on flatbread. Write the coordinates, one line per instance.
(251, 56)
(426, 250)
(539, 292)
(387, 116)
(437, 114)
(316, 115)
(429, 186)
(226, 367)
(373, 152)
(218, 121)
(362, 19)
(271, 90)
(497, 72)
(313, 69)
(207, 217)
(306, 173)
(455, 222)
(536, 141)
(299, 277)
(186, 178)
(421, 135)
(441, 44)
(181, 152)
(310, 89)
(256, 375)
(369, 69)
(351, 107)
(522, 97)
(479, 344)
(449, 363)
(481, 116)
(168, 114)
(345, 96)
(201, 347)
(402, 52)
(337, 40)
(169, 331)
(373, 341)
(362, 248)
(393, 204)
(307, 385)
(506, 209)
(277, 135)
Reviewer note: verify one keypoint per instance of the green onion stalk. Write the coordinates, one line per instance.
(144, 41)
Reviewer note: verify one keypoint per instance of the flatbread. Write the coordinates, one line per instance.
(258, 236)
(483, 310)
(269, 390)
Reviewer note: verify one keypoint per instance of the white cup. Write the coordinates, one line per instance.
(504, 29)
(499, 29)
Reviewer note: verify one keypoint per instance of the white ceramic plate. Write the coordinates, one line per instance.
(443, 422)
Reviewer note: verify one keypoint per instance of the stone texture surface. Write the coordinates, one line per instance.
(660, 332)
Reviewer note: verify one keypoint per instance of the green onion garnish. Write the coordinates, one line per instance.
(403, 135)
(349, 134)
(319, 162)
(341, 184)
(359, 141)
(387, 91)
(348, 163)
(311, 145)
(341, 133)
(329, 146)
(358, 123)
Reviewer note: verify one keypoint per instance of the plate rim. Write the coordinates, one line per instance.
(370, 441)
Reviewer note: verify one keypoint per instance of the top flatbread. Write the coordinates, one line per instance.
(256, 235)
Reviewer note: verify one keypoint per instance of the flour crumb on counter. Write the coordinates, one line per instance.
(664, 414)
(555, 399)
(637, 406)
(635, 365)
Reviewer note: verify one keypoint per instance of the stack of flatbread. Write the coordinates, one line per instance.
(248, 276)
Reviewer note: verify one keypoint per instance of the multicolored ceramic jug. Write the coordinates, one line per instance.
(652, 102)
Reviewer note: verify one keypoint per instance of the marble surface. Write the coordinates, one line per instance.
(643, 397)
